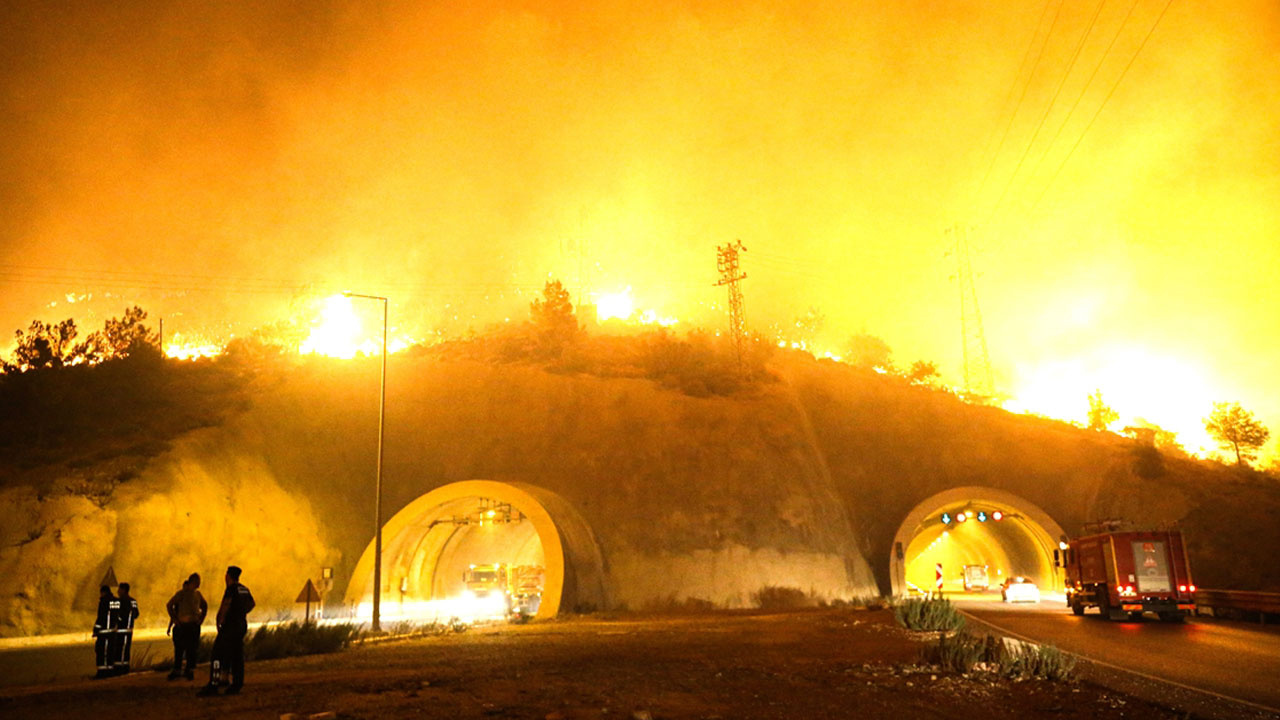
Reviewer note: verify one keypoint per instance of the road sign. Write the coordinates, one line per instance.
(937, 571)
(110, 578)
(308, 596)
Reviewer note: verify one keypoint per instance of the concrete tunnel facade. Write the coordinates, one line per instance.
(556, 538)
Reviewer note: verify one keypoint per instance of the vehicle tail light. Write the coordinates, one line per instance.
(1182, 588)
(1193, 588)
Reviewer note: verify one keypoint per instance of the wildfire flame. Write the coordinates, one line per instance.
(621, 306)
(1139, 385)
(183, 348)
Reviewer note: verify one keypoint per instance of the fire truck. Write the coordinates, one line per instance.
(1127, 573)
(518, 586)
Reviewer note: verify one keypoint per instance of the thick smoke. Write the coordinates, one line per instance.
(203, 158)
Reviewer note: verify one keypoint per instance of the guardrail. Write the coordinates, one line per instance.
(1229, 603)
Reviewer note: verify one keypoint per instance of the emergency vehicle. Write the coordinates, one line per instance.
(517, 589)
(1127, 573)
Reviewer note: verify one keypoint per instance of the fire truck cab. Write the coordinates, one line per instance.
(1126, 574)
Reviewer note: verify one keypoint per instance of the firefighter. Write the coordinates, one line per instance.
(227, 666)
(187, 610)
(104, 632)
(125, 611)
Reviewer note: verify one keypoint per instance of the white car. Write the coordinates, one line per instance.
(1019, 589)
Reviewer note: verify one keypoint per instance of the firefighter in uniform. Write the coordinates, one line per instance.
(104, 632)
(125, 611)
(227, 665)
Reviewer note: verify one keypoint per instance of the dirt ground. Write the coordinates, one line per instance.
(801, 664)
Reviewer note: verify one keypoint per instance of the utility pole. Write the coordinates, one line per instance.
(977, 364)
(729, 265)
(376, 624)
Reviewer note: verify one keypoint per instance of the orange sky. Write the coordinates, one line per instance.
(458, 153)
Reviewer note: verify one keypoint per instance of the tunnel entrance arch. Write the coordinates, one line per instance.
(431, 543)
(1022, 542)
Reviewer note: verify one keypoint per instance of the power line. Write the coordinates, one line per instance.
(1084, 89)
(1071, 64)
(978, 379)
(1103, 105)
(1026, 54)
(1026, 86)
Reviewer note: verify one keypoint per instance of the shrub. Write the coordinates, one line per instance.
(959, 652)
(299, 638)
(931, 613)
(870, 602)
(1038, 661)
(773, 597)
(962, 651)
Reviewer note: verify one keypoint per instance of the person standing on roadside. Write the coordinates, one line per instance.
(125, 613)
(227, 667)
(103, 632)
(187, 610)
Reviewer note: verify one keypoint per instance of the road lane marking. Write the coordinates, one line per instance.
(1139, 673)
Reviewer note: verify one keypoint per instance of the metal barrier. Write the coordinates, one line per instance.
(1238, 602)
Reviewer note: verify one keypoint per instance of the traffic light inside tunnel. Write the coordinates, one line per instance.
(1003, 540)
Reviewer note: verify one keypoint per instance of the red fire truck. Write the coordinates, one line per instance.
(1125, 574)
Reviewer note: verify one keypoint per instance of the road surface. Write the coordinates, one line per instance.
(43, 659)
(1235, 659)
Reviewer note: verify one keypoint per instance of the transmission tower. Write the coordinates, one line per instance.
(977, 364)
(727, 262)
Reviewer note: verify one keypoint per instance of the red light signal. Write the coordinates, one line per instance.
(997, 515)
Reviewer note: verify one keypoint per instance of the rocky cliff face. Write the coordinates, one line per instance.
(197, 508)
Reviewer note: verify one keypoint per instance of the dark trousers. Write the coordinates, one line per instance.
(121, 648)
(186, 641)
(102, 649)
(228, 658)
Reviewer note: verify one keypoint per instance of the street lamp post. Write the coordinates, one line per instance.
(376, 624)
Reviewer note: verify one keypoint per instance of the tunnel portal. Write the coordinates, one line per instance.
(974, 526)
(479, 549)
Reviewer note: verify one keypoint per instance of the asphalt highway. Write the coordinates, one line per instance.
(1229, 658)
(28, 661)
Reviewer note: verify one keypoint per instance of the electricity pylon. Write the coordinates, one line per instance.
(977, 364)
(729, 265)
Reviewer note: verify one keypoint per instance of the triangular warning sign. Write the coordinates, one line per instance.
(308, 594)
(110, 578)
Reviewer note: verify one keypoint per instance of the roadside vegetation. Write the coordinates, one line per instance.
(933, 613)
(296, 638)
(964, 652)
